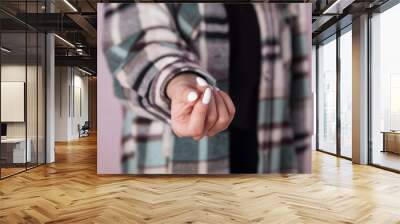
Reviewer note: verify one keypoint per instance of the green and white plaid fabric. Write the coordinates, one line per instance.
(147, 44)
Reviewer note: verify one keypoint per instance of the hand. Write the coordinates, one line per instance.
(198, 109)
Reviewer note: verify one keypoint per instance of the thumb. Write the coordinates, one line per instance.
(199, 113)
(182, 102)
(186, 95)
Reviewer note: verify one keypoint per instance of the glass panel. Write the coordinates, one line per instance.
(13, 91)
(313, 89)
(346, 94)
(327, 96)
(32, 85)
(77, 110)
(385, 84)
(41, 98)
(32, 95)
(22, 87)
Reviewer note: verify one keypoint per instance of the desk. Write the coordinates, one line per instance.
(391, 141)
(13, 150)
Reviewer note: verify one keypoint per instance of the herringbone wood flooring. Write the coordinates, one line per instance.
(70, 191)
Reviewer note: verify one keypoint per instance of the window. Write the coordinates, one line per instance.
(327, 96)
(313, 90)
(385, 89)
(346, 92)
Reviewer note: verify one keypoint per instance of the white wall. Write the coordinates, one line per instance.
(83, 83)
(33, 126)
(62, 80)
(15, 72)
(80, 84)
(10, 73)
(70, 83)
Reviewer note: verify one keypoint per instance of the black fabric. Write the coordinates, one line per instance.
(243, 156)
(244, 78)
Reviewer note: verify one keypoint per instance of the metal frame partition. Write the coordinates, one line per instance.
(339, 32)
(382, 8)
(36, 34)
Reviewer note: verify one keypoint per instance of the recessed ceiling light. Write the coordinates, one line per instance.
(331, 7)
(84, 71)
(70, 5)
(338, 6)
(5, 50)
(64, 40)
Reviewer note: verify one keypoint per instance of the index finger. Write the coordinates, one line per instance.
(199, 113)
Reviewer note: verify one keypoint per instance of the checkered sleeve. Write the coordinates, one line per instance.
(301, 97)
(144, 52)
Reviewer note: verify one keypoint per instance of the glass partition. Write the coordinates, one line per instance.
(346, 93)
(385, 89)
(327, 96)
(32, 95)
(314, 94)
(23, 88)
(41, 97)
(14, 153)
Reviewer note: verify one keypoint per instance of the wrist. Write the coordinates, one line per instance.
(185, 79)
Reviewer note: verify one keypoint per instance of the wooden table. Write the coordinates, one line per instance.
(13, 150)
(391, 141)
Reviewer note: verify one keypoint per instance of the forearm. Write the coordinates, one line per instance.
(146, 57)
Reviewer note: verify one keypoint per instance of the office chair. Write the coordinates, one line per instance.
(84, 130)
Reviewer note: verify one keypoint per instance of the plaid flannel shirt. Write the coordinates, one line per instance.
(148, 44)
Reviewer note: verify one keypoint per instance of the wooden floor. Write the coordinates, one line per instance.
(387, 159)
(70, 191)
(10, 171)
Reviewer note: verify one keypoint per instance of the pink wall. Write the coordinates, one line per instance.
(109, 113)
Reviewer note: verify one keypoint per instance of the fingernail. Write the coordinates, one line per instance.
(217, 89)
(201, 82)
(192, 96)
(207, 96)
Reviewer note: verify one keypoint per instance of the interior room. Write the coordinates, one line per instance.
(50, 129)
(333, 74)
(385, 75)
(22, 102)
(39, 108)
